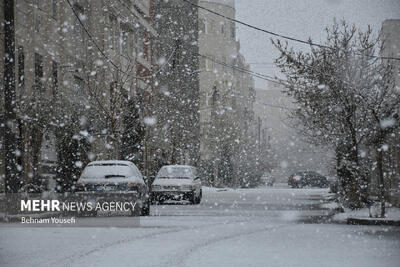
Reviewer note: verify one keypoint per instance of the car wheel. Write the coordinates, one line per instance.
(192, 198)
(145, 211)
(135, 211)
(200, 196)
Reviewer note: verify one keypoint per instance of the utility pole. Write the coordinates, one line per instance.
(11, 179)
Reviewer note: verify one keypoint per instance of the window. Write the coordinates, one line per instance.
(223, 29)
(112, 32)
(124, 42)
(140, 44)
(54, 7)
(209, 63)
(212, 26)
(202, 63)
(148, 45)
(38, 72)
(37, 21)
(233, 30)
(79, 85)
(21, 69)
(78, 32)
(202, 26)
(54, 77)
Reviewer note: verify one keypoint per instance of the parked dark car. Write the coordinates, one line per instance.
(114, 180)
(307, 178)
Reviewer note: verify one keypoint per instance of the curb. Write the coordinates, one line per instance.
(372, 221)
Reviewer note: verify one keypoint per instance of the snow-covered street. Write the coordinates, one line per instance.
(247, 227)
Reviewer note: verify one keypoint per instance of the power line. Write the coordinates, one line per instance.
(276, 34)
(106, 57)
(92, 39)
(255, 74)
(252, 73)
(273, 106)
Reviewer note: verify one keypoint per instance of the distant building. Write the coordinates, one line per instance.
(391, 41)
(288, 148)
(223, 88)
(56, 58)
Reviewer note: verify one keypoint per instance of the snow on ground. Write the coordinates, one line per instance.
(256, 227)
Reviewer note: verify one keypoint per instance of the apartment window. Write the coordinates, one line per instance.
(209, 62)
(202, 26)
(140, 44)
(38, 71)
(37, 21)
(148, 44)
(233, 30)
(21, 69)
(78, 32)
(124, 42)
(54, 77)
(202, 63)
(54, 7)
(212, 25)
(79, 85)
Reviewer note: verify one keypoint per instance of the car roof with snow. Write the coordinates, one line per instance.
(111, 162)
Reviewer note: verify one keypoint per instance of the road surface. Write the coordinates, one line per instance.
(275, 226)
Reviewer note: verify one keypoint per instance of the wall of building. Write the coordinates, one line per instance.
(53, 50)
(177, 88)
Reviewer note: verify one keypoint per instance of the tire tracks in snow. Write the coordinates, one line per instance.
(69, 260)
(182, 257)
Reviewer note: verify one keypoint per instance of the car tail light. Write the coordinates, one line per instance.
(79, 187)
(132, 186)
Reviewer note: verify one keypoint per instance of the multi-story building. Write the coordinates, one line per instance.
(391, 48)
(177, 88)
(82, 51)
(226, 90)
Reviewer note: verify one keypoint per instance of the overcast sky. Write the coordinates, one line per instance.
(301, 19)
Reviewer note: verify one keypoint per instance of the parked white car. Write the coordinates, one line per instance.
(114, 180)
(177, 182)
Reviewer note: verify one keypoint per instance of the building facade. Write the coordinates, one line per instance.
(226, 91)
(391, 48)
(82, 53)
(177, 90)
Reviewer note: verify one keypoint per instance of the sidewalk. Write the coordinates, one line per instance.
(361, 217)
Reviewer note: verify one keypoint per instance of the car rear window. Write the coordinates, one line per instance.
(171, 172)
(109, 171)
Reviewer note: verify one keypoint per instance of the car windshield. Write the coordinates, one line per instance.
(100, 171)
(170, 172)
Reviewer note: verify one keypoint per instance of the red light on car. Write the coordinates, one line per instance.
(132, 186)
(79, 187)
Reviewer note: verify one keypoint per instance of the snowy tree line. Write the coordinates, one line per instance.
(347, 98)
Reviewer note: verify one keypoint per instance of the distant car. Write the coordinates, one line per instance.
(114, 180)
(177, 182)
(307, 178)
